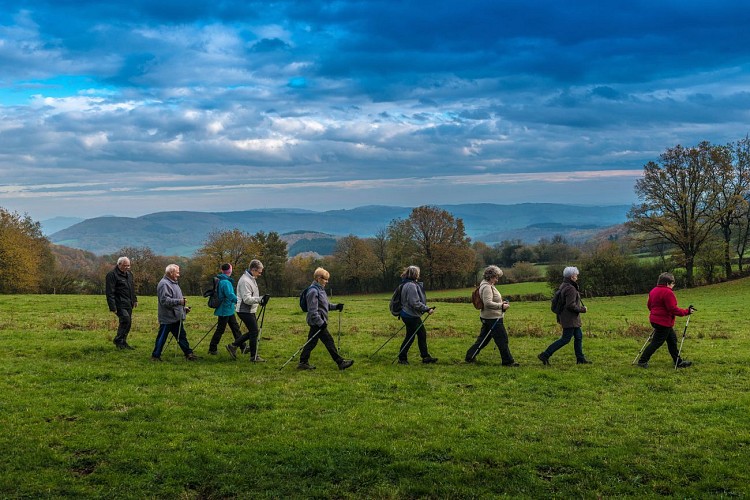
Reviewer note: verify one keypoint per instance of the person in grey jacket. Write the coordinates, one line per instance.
(317, 318)
(172, 310)
(249, 298)
(491, 317)
(569, 319)
(413, 306)
(121, 299)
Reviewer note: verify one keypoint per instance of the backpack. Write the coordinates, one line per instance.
(213, 294)
(558, 301)
(303, 299)
(395, 305)
(476, 298)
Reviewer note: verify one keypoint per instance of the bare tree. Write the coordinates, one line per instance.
(733, 180)
(680, 198)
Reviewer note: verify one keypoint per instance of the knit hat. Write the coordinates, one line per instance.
(226, 269)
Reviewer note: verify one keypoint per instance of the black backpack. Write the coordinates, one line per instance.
(395, 305)
(558, 301)
(303, 299)
(213, 294)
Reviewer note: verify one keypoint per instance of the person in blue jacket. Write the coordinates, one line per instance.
(225, 311)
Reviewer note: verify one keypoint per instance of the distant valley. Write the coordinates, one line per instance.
(182, 233)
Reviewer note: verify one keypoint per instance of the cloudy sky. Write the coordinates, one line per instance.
(128, 108)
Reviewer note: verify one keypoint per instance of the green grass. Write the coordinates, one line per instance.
(80, 419)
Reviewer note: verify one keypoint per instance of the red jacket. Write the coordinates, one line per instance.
(663, 306)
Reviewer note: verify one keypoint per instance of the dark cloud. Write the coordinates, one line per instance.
(197, 93)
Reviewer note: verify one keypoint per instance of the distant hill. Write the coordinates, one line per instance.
(55, 224)
(182, 233)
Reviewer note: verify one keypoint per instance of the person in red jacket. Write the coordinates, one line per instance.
(663, 306)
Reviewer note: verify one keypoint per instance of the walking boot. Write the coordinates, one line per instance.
(684, 363)
(345, 363)
(543, 358)
(305, 366)
(232, 350)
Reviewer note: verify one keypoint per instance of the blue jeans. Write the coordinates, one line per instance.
(577, 334)
(178, 331)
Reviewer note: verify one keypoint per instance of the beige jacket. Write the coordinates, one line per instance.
(493, 301)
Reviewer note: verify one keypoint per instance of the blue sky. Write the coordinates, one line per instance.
(128, 108)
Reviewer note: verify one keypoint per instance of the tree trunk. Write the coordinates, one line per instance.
(689, 263)
(727, 252)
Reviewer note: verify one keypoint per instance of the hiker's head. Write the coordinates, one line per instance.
(411, 273)
(255, 268)
(571, 272)
(492, 272)
(665, 279)
(321, 276)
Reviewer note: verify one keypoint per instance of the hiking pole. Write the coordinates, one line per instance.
(206, 335)
(684, 332)
(298, 350)
(260, 328)
(391, 338)
(476, 351)
(339, 346)
(411, 339)
(638, 356)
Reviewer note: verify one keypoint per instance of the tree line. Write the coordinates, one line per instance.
(693, 214)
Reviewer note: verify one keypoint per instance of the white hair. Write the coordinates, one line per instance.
(171, 268)
(570, 271)
(122, 259)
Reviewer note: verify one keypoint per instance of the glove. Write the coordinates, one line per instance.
(264, 300)
(691, 309)
(339, 307)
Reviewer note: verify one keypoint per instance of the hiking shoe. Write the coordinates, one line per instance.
(543, 358)
(191, 357)
(121, 346)
(128, 347)
(403, 362)
(684, 363)
(257, 359)
(213, 352)
(429, 360)
(345, 363)
(305, 366)
(232, 350)
(643, 365)
(156, 359)
(511, 364)
(583, 361)
(470, 360)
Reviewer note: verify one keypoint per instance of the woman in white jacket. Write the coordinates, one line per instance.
(491, 317)
(248, 299)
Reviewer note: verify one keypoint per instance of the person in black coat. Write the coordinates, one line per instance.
(121, 299)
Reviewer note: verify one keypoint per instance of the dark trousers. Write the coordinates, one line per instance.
(660, 335)
(251, 337)
(178, 331)
(317, 333)
(568, 333)
(494, 329)
(414, 328)
(221, 325)
(123, 328)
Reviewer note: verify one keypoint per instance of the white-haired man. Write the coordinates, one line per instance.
(121, 299)
(172, 310)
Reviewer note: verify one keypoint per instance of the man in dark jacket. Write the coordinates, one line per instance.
(569, 319)
(121, 299)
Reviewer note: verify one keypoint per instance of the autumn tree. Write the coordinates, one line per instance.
(273, 254)
(443, 252)
(235, 247)
(733, 180)
(25, 254)
(354, 261)
(680, 199)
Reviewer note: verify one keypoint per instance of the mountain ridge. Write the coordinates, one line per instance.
(183, 232)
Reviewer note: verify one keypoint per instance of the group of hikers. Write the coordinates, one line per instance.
(409, 303)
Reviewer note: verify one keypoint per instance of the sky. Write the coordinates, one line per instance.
(129, 108)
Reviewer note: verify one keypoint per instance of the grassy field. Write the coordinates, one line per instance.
(81, 419)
